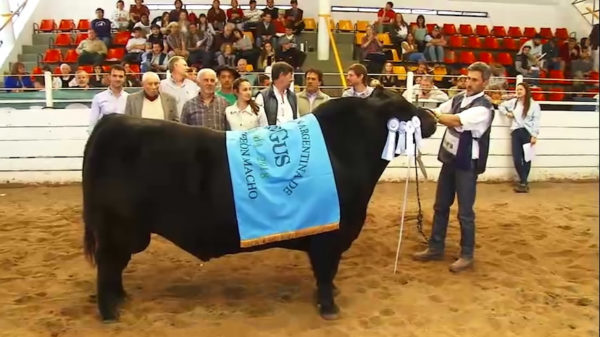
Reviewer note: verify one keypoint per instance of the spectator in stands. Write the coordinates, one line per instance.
(155, 35)
(178, 85)
(569, 51)
(150, 102)
(244, 113)
(65, 77)
(120, 17)
(198, 44)
(494, 93)
(594, 38)
(135, 47)
(18, 79)
(372, 51)
(498, 77)
(175, 14)
(289, 33)
(294, 17)
(206, 109)
(551, 57)
(398, 32)
(244, 47)
(427, 91)
(242, 69)
(99, 79)
(434, 45)
(162, 21)
(205, 26)
(82, 80)
(535, 46)
(419, 32)
(526, 66)
(278, 101)
(226, 56)
(583, 66)
(216, 16)
(385, 18)
(192, 74)
(131, 78)
(357, 79)
(102, 27)
(112, 100)
(267, 56)
(144, 24)
(226, 75)
(460, 84)
(280, 24)
(135, 12)
(311, 97)
(525, 127)
(422, 68)
(271, 9)
(235, 15)
(387, 77)
(410, 50)
(584, 43)
(264, 81)
(176, 41)
(265, 31)
(226, 36)
(183, 23)
(91, 50)
(252, 16)
(288, 54)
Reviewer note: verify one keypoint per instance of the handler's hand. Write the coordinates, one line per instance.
(510, 115)
(533, 140)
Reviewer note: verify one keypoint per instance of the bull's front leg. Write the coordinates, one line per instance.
(325, 257)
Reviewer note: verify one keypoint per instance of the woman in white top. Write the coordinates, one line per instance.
(120, 16)
(244, 114)
(525, 128)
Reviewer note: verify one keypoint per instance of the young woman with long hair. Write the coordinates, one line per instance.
(244, 114)
(525, 127)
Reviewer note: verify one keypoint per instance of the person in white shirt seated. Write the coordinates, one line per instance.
(135, 47)
(244, 114)
(144, 24)
(120, 17)
(252, 16)
(425, 90)
(150, 103)
(357, 78)
(525, 128)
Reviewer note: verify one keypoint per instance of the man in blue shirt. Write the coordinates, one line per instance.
(102, 26)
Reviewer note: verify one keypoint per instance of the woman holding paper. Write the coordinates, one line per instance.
(525, 115)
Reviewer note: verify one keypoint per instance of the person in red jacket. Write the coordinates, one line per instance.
(385, 17)
(235, 14)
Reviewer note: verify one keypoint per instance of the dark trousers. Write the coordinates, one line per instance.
(519, 137)
(86, 58)
(203, 57)
(453, 182)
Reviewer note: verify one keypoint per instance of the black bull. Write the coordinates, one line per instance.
(146, 176)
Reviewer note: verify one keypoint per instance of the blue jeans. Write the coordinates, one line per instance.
(106, 40)
(416, 57)
(462, 183)
(519, 137)
(435, 53)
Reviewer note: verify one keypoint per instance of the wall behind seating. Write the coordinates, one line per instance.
(537, 13)
(47, 146)
(22, 30)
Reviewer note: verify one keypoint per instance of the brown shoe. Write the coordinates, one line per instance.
(521, 188)
(428, 255)
(461, 264)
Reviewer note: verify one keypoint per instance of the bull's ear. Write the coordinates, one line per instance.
(379, 92)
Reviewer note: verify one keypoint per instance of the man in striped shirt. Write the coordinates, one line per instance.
(206, 109)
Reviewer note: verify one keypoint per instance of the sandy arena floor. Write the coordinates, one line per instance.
(536, 274)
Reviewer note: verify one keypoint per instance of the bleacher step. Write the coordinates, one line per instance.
(28, 57)
(37, 49)
(42, 38)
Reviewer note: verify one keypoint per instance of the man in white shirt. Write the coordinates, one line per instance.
(135, 47)
(111, 100)
(278, 101)
(463, 152)
(252, 16)
(178, 85)
(150, 102)
(357, 78)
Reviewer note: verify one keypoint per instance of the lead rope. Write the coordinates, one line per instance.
(420, 212)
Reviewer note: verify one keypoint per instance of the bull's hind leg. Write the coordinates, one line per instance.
(325, 258)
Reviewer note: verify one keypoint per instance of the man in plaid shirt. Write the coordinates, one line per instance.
(206, 109)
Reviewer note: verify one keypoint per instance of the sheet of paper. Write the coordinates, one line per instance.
(528, 152)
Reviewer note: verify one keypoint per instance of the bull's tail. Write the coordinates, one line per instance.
(89, 244)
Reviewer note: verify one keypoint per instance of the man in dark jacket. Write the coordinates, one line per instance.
(278, 100)
(102, 27)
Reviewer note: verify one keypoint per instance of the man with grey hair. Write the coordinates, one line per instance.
(150, 102)
(178, 85)
(463, 152)
(206, 109)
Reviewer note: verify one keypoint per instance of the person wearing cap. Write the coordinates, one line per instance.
(226, 75)
(294, 17)
(287, 53)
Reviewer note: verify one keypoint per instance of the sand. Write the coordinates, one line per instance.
(536, 274)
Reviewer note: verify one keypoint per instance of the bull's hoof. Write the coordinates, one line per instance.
(329, 312)
(110, 321)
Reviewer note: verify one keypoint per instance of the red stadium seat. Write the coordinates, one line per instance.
(529, 32)
(482, 30)
(430, 26)
(121, 38)
(115, 54)
(464, 71)
(47, 26)
(88, 69)
(66, 25)
(465, 30)
(594, 76)
(449, 57)
(557, 94)
(491, 42)
(538, 96)
(56, 71)
(449, 29)
(135, 69)
(71, 56)
(514, 31)
(510, 44)
(455, 41)
(80, 37)
(106, 68)
(467, 57)
(83, 25)
(36, 71)
(498, 31)
(557, 76)
(52, 56)
(546, 33)
(504, 59)
(474, 42)
(486, 57)
(63, 40)
(561, 33)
